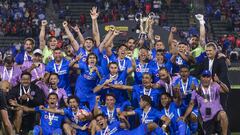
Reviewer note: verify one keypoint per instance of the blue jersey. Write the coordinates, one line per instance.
(178, 62)
(173, 114)
(152, 115)
(83, 52)
(139, 90)
(167, 55)
(49, 121)
(21, 57)
(157, 66)
(72, 116)
(111, 115)
(141, 69)
(63, 73)
(105, 61)
(120, 79)
(111, 129)
(185, 88)
(86, 81)
(123, 65)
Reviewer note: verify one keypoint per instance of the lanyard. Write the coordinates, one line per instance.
(110, 114)
(145, 92)
(75, 116)
(41, 70)
(26, 57)
(23, 90)
(50, 117)
(55, 91)
(143, 68)
(167, 112)
(105, 131)
(121, 66)
(168, 87)
(8, 74)
(159, 65)
(145, 115)
(184, 87)
(207, 92)
(57, 70)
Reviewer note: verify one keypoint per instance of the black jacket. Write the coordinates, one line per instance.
(35, 91)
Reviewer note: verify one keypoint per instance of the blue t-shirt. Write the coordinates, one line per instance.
(121, 94)
(153, 93)
(105, 60)
(47, 124)
(156, 68)
(141, 69)
(63, 73)
(19, 58)
(112, 116)
(123, 65)
(185, 89)
(72, 116)
(152, 115)
(111, 129)
(167, 55)
(178, 62)
(173, 114)
(86, 81)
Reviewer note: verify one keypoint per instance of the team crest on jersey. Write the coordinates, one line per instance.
(45, 116)
(116, 82)
(105, 56)
(32, 93)
(62, 72)
(84, 59)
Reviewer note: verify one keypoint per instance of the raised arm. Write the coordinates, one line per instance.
(170, 38)
(224, 88)
(202, 38)
(80, 36)
(24, 108)
(74, 43)
(107, 37)
(94, 15)
(110, 41)
(99, 87)
(42, 40)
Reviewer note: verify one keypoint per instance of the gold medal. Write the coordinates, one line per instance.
(50, 123)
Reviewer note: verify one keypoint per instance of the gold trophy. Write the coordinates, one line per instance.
(144, 24)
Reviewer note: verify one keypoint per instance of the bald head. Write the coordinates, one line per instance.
(4, 86)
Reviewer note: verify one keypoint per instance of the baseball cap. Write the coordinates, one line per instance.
(206, 73)
(37, 51)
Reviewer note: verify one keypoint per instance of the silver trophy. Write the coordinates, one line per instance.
(144, 24)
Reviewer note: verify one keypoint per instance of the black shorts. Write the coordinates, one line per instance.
(3, 102)
(212, 126)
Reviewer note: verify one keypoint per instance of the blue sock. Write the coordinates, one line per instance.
(193, 127)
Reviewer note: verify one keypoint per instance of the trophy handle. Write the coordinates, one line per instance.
(151, 15)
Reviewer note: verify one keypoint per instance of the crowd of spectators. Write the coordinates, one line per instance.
(21, 17)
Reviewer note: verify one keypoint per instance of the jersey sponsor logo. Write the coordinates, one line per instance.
(62, 72)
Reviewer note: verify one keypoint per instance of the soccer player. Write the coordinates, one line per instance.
(207, 96)
(50, 123)
(143, 89)
(78, 115)
(60, 65)
(182, 96)
(113, 78)
(169, 110)
(110, 110)
(90, 75)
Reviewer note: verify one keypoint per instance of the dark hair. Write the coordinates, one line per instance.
(184, 43)
(51, 74)
(52, 93)
(145, 48)
(130, 39)
(93, 55)
(147, 99)
(99, 115)
(9, 59)
(121, 46)
(112, 63)
(184, 66)
(160, 51)
(163, 68)
(26, 73)
(73, 97)
(166, 94)
(50, 38)
(111, 95)
(57, 48)
(146, 73)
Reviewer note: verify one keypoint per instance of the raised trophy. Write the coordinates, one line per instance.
(144, 24)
